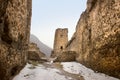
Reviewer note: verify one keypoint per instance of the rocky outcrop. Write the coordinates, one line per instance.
(34, 53)
(97, 37)
(15, 17)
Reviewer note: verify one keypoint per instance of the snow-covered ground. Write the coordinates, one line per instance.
(41, 72)
(88, 74)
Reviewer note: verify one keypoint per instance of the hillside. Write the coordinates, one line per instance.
(43, 47)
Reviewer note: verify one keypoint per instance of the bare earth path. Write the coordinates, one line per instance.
(68, 76)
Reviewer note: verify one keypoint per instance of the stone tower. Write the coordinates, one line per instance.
(60, 40)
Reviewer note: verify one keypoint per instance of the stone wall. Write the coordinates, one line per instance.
(97, 37)
(15, 17)
(34, 52)
(66, 56)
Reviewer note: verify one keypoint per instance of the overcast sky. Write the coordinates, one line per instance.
(48, 15)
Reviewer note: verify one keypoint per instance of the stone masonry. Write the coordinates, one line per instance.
(15, 19)
(97, 37)
(60, 41)
(34, 52)
(96, 41)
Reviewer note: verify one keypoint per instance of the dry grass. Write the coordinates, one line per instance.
(58, 65)
(34, 63)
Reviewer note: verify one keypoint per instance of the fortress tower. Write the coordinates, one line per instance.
(60, 40)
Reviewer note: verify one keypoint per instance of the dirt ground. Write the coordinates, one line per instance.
(57, 65)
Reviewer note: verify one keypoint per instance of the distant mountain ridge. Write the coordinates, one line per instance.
(43, 47)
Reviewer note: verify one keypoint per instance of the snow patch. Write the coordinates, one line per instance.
(88, 74)
(40, 72)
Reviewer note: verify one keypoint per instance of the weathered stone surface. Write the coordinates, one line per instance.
(60, 41)
(97, 37)
(66, 56)
(34, 53)
(15, 17)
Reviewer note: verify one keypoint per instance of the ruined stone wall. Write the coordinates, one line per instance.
(97, 36)
(15, 17)
(66, 56)
(60, 41)
(34, 52)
